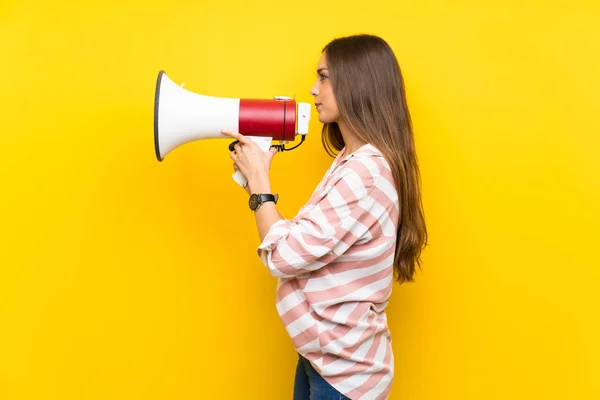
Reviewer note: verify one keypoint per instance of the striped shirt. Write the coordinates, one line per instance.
(334, 261)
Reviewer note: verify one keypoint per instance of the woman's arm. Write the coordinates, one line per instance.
(343, 214)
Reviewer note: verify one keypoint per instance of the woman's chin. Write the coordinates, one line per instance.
(324, 120)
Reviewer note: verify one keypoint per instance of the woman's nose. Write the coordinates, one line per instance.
(314, 91)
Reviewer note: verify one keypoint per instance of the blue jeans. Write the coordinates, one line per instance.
(309, 385)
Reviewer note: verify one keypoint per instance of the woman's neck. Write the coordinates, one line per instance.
(351, 140)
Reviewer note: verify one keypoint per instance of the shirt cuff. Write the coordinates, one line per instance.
(277, 231)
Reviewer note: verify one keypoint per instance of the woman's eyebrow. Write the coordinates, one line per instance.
(321, 70)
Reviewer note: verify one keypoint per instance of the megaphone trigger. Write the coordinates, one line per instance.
(231, 148)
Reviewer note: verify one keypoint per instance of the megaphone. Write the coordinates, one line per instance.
(182, 116)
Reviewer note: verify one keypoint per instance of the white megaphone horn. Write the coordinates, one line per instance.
(181, 116)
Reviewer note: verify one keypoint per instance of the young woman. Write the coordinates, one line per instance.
(363, 225)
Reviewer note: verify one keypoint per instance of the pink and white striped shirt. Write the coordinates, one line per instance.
(334, 261)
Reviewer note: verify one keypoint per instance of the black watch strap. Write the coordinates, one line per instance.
(256, 199)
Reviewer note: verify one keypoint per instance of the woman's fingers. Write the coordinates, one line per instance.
(238, 136)
(237, 147)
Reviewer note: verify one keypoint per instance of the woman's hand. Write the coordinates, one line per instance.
(252, 162)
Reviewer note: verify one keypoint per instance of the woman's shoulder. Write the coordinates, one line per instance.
(358, 173)
(367, 164)
(370, 173)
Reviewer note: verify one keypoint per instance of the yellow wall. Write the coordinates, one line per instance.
(125, 278)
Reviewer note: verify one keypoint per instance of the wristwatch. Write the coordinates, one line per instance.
(257, 199)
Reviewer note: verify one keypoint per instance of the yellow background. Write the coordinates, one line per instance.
(126, 278)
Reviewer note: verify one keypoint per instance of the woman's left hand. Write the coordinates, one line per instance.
(250, 159)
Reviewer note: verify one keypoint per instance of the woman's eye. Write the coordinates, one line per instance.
(322, 77)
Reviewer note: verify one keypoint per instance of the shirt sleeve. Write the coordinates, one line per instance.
(322, 232)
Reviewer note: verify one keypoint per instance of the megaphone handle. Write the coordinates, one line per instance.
(240, 178)
(264, 143)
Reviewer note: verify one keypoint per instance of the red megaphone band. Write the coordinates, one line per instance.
(271, 118)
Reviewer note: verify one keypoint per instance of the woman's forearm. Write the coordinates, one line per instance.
(267, 214)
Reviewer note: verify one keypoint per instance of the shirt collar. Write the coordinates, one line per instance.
(365, 150)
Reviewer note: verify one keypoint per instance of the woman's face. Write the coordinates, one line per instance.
(323, 93)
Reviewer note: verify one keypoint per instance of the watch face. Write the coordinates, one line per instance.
(253, 202)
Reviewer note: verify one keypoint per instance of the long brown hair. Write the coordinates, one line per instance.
(369, 89)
